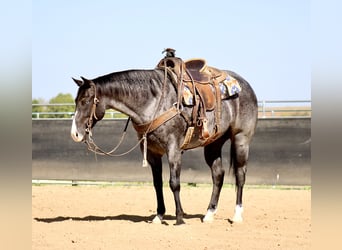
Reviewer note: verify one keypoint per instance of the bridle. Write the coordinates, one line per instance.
(92, 112)
(142, 129)
(89, 140)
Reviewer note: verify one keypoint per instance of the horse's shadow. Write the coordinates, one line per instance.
(124, 217)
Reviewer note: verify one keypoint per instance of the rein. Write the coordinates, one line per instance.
(98, 151)
(90, 142)
(143, 129)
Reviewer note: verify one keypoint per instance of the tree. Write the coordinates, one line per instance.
(37, 109)
(65, 110)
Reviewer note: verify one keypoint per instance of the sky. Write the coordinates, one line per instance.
(267, 42)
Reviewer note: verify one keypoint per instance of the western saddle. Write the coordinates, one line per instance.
(203, 83)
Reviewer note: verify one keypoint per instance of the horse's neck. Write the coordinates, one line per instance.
(132, 96)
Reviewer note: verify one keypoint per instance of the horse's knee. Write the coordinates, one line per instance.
(174, 184)
(174, 181)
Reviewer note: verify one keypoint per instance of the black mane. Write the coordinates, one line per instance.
(129, 82)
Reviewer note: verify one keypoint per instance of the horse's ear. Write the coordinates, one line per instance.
(87, 81)
(78, 82)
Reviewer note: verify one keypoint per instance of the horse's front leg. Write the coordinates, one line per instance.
(155, 162)
(174, 158)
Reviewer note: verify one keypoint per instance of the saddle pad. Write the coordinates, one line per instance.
(228, 87)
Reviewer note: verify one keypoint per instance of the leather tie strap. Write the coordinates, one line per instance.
(156, 123)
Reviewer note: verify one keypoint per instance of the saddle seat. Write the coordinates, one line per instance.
(199, 78)
(205, 79)
(197, 70)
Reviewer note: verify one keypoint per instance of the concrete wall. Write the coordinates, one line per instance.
(280, 154)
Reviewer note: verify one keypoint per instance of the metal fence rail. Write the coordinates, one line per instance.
(278, 109)
(280, 154)
(266, 109)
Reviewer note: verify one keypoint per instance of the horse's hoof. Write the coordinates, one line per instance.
(238, 214)
(209, 217)
(179, 222)
(237, 219)
(158, 219)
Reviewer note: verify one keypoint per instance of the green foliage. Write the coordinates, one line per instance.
(66, 110)
(111, 113)
(62, 98)
(37, 109)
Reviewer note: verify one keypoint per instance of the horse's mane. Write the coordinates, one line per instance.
(128, 82)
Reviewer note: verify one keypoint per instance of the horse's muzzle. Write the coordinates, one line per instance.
(75, 135)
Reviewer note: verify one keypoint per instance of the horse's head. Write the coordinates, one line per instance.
(88, 109)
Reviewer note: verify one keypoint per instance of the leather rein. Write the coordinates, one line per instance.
(90, 142)
(142, 129)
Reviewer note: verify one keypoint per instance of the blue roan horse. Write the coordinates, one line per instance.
(144, 95)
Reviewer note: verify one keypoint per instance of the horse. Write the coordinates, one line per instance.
(148, 93)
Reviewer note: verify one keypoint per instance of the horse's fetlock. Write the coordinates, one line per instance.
(179, 221)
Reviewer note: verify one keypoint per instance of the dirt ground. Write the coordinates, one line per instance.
(118, 217)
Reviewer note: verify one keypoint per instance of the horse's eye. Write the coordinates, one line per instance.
(85, 102)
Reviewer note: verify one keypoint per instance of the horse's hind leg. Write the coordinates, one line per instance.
(239, 156)
(213, 157)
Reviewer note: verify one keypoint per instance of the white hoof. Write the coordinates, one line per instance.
(158, 219)
(238, 214)
(209, 217)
